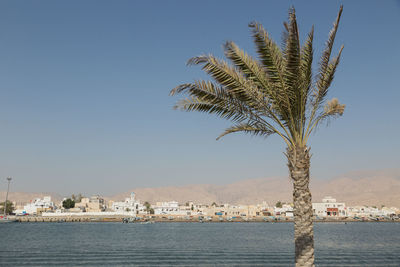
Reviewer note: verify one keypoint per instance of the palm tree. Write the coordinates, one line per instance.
(276, 94)
(147, 206)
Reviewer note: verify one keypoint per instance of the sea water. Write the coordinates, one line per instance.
(194, 244)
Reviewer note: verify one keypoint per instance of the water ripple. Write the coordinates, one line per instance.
(183, 244)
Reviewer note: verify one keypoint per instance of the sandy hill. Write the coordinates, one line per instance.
(367, 187)
(355, 188)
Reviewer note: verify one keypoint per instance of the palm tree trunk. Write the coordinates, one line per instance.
(299, 167)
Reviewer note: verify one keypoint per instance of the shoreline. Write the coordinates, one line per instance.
(154, 219)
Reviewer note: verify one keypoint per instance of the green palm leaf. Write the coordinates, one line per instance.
(275, 93)
(256, 129)
(248, 65)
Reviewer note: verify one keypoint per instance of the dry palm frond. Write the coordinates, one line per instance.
(333, 107)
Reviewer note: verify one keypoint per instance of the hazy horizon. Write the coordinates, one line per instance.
(84, 93)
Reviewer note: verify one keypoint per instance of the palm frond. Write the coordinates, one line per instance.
(324, 81)
(292, 77)
(248, 65)
(227, 76)
(307, 52)
(221, 71)
(306, 74)
(323, 85)
(253, 71)
(239, 86)
(325, 58)
(273, 61)
(249, 128)
(332, 109)
(324, 64)
(204, 96)
(292, 55)
(197, 104)
(269, 53)
(210, 93)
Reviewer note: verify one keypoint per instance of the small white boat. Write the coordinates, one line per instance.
(6, 220)
(147, 222)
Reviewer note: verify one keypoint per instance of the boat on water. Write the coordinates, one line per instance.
(147, 222)
(7, 220)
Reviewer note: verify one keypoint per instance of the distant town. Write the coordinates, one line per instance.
(79, 208)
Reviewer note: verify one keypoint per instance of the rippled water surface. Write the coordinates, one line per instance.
(194, 244)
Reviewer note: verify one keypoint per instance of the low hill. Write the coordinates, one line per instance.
(355, 188)
(373, 188)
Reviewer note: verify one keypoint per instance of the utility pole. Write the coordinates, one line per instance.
(8, 188)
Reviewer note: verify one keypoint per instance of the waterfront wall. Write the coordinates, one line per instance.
(87, 214)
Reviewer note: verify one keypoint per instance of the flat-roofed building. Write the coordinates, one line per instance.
(329, 208)
(236, 210)
(286, 210)
(129, 205)
(92, 204)
(171, 208)
(37, 206)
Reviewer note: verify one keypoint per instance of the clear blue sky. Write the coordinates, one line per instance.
(84, 86)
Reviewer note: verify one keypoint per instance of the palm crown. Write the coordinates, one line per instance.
(277, 93)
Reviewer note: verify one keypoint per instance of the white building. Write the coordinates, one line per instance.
(130, 204)
(366, 211)
(285, 210)
(236, 211)
(386, 211)
(329, 207)
(169, 208)
(363, 211)
(37, 206)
